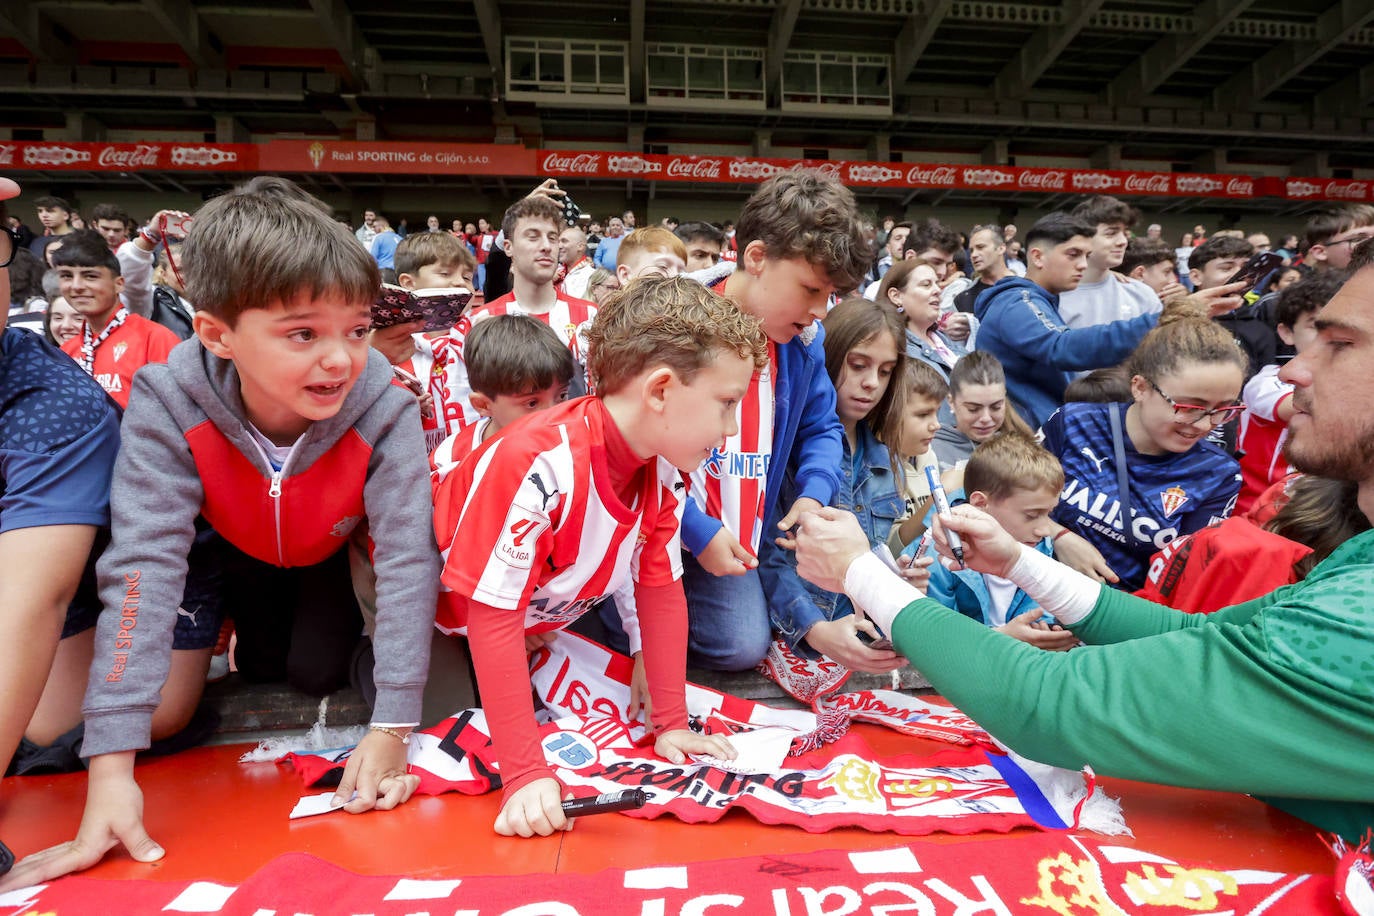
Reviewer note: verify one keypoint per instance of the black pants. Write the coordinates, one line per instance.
(299, 625)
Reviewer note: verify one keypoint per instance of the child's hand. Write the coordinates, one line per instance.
(641, 706)
(839, 640)
(802, 505)
(724, 555)
(113, 816)
(377, 770)
(916, 570)
(1028, 628)
(534, 808)
(536, 641)
(675, 745)
(1077, 552)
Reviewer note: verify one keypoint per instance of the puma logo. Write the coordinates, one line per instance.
(182, 612)
(538, 481)
(1088, 453)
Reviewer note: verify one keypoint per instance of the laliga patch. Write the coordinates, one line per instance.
(519, 533)
(1172, 500)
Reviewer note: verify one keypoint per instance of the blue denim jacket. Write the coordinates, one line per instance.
(868, 489)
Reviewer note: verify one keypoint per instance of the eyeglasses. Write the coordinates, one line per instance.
(1191, 413)
(1352, 241)
(9, 244)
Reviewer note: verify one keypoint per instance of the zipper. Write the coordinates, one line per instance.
(274, 488)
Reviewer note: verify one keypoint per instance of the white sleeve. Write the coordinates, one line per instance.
(136, 268)
(1265, 392)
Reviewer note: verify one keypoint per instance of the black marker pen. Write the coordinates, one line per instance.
(624, 800)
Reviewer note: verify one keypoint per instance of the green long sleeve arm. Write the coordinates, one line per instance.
(1270, 698)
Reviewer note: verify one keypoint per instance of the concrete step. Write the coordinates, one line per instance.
(251, 712)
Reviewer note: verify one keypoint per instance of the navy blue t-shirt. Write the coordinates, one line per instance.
(58, 436)
(1171, 494)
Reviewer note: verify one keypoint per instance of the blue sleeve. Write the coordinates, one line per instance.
(1052, 433)
(697, 527)
(600, 257)
(67, 486)
(941, 586)
(1043, 339)
(817, 450)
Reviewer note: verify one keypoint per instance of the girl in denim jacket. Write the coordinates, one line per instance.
(864, 353)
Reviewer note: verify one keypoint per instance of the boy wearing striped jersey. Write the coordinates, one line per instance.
(569, 504)
(800, 239)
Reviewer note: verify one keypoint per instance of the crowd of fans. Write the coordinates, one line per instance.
(1112, 401)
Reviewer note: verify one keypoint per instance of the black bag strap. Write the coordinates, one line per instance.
(1123, 481)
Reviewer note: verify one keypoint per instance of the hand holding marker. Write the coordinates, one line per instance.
(937, 493)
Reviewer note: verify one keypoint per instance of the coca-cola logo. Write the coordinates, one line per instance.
(825, 168)
(1355, 190)
(940, 176)
(994, 177)
(1197, 184)
(203, 156)
(7, 153)
(139, 157)
(1147, 184)
(693, 168)
(1240, 187)
(1301, 188)
(575, 164)
(873, 174)
(752, 169)
(55, 155)
(1042, 181)
(633, 165)
(1094, 181)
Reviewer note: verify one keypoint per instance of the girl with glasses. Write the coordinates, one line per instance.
(1140, 474)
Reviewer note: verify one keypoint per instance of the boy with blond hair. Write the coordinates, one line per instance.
(569, 504)
(653, 251)
(1016, 481)
(280, 429)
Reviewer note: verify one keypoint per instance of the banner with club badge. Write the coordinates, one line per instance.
(793, 767)
(1026, 875)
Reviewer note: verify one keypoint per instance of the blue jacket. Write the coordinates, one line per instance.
(1022, 327)
(806, 439)
(869, 491)
(966, 591)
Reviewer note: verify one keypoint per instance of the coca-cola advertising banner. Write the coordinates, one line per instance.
(572, 164)
(1353, 190)
(344, 156)
(128, 157)
(396, 158)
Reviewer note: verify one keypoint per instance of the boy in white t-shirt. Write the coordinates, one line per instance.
(1103, 295)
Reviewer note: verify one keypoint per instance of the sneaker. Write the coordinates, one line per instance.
(219, 668)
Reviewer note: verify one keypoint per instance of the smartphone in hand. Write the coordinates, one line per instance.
(1257, 268)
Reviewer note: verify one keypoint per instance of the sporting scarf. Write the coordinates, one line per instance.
(89, 343)
(1029, 874)
(791, 770)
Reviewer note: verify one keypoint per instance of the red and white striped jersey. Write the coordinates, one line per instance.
(446, 457)
(530, 522)
(567, 318)
(1261, 437)
(732, 483)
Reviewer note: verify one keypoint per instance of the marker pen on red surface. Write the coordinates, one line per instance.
(624, 800)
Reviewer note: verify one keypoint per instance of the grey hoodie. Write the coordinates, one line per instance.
(157, 494)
